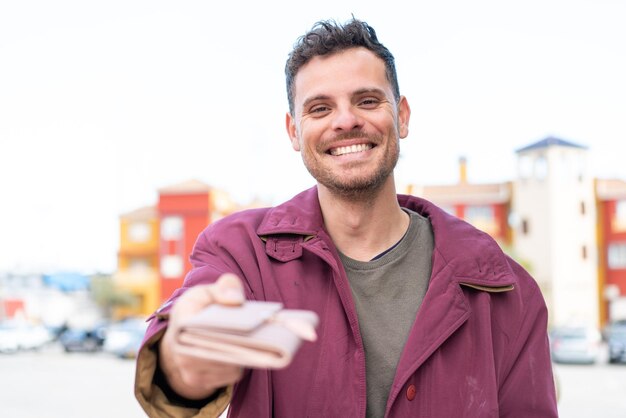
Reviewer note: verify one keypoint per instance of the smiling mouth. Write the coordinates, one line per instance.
(350, 149)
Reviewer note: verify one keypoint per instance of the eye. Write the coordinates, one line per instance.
(369, 102)
(319, 109)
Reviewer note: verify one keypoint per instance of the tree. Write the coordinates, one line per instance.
(108, 297)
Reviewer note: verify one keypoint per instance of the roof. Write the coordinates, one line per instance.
(189, 186)
(610, 189)
(142, 214)
(549, 142)
(467, 194)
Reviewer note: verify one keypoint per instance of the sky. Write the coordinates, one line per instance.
(104, 102)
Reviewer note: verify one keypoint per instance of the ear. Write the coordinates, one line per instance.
(404, 114)
(292, 131)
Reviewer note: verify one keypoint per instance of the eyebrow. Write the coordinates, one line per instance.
(374, 90)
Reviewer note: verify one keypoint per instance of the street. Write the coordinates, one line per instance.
(54, 384)
(592, 390)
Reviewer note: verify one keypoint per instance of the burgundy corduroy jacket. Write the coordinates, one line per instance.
(478, 347)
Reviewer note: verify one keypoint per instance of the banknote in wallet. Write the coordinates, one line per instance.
(255, 334)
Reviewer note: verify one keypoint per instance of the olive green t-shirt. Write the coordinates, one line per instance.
(388, 292)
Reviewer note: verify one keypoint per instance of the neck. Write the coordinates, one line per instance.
(363, 228)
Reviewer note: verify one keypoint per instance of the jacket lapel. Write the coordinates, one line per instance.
(463, 256)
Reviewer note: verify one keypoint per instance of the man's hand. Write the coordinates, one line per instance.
(190, 377)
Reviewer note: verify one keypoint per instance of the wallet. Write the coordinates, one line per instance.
(254, 334)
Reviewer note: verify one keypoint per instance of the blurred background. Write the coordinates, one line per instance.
(127, 126)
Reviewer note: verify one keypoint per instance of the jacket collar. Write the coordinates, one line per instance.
(469, 255)
(300, 216)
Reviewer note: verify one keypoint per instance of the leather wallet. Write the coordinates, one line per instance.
(255, 334)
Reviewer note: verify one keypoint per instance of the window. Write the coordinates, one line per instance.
(171, 266)
(579, 167)
(525, 227)
(618, 223)
(620, 210)
(483, 218)
(617, 255)
(525, 167)
(479, 213)
(172, 228)
(139, 232)
(541, 168)
(139, 264)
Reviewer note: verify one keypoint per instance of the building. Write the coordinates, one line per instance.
(486, 206)
(156, 241)
(11, 308)
(138, 261)
(545, 218)
(184, 210)
(611, 209)
(555, 227)
(566, 228)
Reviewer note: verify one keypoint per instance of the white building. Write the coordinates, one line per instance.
(554, 220)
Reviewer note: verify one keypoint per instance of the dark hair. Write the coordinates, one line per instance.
(327, 37)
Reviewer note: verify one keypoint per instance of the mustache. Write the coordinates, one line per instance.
(357, 133)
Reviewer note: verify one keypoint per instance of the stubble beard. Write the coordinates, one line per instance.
(361, 188)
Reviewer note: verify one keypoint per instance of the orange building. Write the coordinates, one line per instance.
(156, 241)
(138, 260)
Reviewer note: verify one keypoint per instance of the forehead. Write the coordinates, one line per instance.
(340, 73)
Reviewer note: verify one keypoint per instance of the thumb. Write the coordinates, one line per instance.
(228, 290)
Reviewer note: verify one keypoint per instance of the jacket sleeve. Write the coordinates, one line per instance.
(527, 387)
(207, 267)
(150, 396)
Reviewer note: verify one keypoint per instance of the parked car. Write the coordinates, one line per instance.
(34, 337)
(21, 335)
(123, 338)
(577, 344)
(616, 340)
(9, 338)
(82, 340)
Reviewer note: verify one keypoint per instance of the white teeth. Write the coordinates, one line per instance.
(350, 149)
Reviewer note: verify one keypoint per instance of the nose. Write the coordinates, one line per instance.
(346, 118)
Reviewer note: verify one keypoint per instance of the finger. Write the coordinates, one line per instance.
(192, 301)
(228, 290)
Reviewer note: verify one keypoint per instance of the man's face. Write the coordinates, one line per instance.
(346, 122)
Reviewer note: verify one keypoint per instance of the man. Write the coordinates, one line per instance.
(420, 314)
